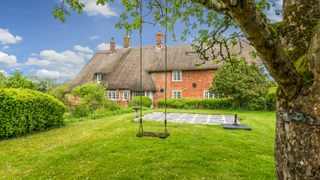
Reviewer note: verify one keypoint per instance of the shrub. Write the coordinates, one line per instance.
(23, 111)
(112, 106)
(146, 101)
(82, 109)
(271, 99)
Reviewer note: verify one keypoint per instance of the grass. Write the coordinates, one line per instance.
(107, 148)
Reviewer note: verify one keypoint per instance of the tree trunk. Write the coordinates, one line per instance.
(291, 54)
(297, 146)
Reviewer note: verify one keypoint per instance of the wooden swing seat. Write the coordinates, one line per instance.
(153, 134)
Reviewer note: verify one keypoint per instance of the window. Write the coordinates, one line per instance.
(137, 93)
(113, 95)
(208, 95)
(176, 94)
(176, 76)
(125, 95)
(99, 76)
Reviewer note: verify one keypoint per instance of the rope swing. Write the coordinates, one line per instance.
(165, 134)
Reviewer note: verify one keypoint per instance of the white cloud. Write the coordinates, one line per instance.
(80, 48)
(5, 47)
(4, 73)
(104, 46)
(271, 14)
(66, 57)
(94, 37)
(93, 10)
(50, 58)
(6, 37)
(7, 60)
(41, 63)
(33, 54)
(16, 69)
(280, 3)
(54, 74)
(89, 56)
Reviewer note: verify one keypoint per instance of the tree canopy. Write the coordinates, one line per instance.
(240, 81)
(17, 81)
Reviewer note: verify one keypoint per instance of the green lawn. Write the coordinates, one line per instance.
(107, 148)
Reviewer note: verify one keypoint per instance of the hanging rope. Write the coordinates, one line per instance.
(165, 71)
(140, 67)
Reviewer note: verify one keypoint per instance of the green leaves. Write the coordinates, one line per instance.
(241, 81)
(23, 111)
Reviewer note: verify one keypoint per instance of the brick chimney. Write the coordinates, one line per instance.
(126, 41)
(112, 46)
(159, 39)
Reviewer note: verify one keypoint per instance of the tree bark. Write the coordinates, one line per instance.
(297, 144)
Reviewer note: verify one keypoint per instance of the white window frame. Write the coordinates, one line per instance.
(125, 92)
(173, 76)
(207, 94)
(99, 77)
(113, 95)
(174, 96)
(134, 93)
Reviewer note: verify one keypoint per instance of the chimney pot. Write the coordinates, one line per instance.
(159, 39)
(126, 41)
(112, 46)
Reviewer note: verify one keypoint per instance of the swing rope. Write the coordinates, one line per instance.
(165, 72)
(140, 67)
(153, 134)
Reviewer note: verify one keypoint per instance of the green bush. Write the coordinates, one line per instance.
(23, 111)
(271, 99)
(146, 101)
(82, 109)
(222, 103)
(112, 106)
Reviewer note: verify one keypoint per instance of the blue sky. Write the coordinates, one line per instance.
(32, 40)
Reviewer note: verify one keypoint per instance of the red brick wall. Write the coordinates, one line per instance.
(203, 79)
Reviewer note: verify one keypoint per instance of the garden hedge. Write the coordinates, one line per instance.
(146, 101)
(223, 103)
(23, 111)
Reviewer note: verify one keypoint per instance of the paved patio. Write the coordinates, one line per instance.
(191, 118)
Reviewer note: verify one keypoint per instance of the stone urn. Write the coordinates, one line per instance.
(136, 115)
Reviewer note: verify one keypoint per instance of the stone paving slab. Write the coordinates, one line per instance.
(191, 118)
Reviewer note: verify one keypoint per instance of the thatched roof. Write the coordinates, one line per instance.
(122, 69)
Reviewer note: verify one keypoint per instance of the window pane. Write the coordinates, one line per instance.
(178, 76)
(179, 94)
(125, 95)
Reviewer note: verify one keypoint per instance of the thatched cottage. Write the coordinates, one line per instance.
(120, 68)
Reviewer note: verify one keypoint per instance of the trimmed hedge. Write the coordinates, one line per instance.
(146, 101)
(23, 111)
(223, 103)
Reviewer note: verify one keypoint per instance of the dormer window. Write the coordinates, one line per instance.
(99, 77)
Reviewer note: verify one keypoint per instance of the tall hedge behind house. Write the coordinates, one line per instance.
(23, 111)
